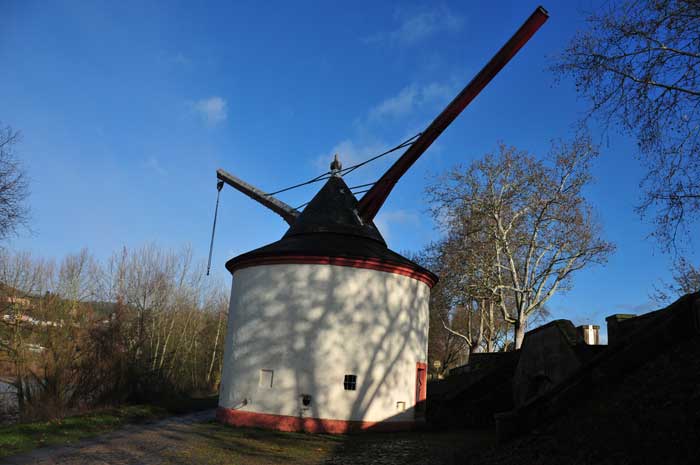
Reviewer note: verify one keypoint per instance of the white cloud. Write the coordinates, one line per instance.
(349, 153)
(410, 98)
(385, 220)
(396, 106)
(174, 60)
(438, 92)
(154, 164)
(181, 59)
(212, 109)
(420, 100)
(639, 308)
(414, 26)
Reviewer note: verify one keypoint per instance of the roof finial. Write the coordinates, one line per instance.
(336, 166)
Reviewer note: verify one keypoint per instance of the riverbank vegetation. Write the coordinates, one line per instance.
(144, 325)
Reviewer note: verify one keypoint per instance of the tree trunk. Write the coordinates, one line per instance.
(216, 344)
(465, 354)
(519, 329)
(19, 387)
(491, 340)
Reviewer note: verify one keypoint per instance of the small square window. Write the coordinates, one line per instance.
(350, 382)
(265, 378)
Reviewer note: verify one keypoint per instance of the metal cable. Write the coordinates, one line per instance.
(349, 169)
(403, 144)
(219, 185)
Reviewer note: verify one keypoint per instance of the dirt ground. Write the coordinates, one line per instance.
(197, 439)
(134, 444)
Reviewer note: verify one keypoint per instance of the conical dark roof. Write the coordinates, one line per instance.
(330, 231)
(334, 209)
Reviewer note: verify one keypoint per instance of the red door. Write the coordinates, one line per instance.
(421, 388)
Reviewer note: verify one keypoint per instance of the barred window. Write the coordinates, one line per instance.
(350, 382)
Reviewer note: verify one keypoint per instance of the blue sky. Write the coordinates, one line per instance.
(128, 108)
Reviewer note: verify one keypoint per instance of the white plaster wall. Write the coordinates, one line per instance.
(313, 324)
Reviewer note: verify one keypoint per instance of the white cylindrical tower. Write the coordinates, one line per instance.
(327, 329)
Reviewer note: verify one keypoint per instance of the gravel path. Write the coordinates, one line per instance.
(132, 445)
(194, 439)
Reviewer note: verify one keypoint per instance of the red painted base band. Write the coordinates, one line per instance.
(308, 425)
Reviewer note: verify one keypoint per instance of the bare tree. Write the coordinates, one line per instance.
(22, 277)
(172, 319)
(145, 325)
(462, 300)
(534, 218)
(14, 189)
(638, 63)
(686, 280)
(78, 278)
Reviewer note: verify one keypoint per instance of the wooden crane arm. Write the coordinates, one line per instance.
(287, 213)
(374, 199)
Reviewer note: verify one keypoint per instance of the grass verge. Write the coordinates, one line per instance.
(23, 437)
(216, 444)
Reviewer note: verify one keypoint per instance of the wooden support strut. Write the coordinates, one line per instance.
(370, 204)
(288, 213)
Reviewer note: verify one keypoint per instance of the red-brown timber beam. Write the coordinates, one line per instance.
(374, 199)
